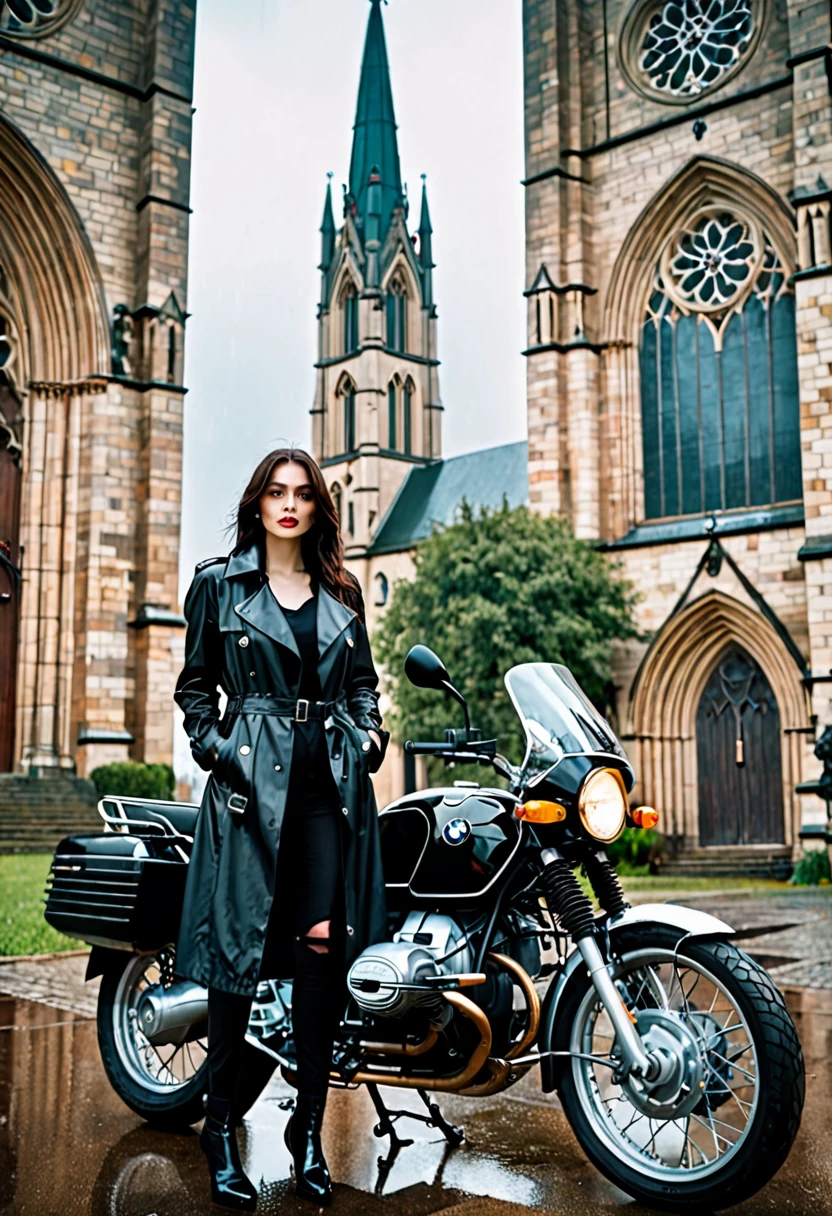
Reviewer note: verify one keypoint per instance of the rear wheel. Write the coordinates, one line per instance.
(163, 1084)
(722, 1121)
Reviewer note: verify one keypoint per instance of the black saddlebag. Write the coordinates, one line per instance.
(117, 890)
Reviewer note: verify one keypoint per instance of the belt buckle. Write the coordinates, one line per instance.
(237, 803)
(305, 705)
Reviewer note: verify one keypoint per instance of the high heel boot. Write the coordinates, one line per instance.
(230, 1187)
(303, 1140)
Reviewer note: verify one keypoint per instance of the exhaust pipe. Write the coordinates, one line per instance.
(173, 1015)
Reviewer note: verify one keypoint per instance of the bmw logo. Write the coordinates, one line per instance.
(456, 831)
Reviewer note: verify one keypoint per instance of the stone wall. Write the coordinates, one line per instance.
(105, 103)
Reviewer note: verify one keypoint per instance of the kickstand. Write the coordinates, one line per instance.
(454, 1135)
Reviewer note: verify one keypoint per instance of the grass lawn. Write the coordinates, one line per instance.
(23, 882)
(22, 927)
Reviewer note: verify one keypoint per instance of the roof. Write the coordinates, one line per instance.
(430, 494)
(375, 144)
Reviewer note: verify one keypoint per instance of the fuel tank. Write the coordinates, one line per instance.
(450, 843)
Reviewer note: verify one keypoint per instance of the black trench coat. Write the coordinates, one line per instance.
(239, 638)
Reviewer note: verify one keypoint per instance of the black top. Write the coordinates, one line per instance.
(304, 625)
(310, 741)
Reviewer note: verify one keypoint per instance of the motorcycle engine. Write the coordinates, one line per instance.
(419, 949)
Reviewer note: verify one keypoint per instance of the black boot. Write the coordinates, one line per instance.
(303, 1140)
(218, 1140)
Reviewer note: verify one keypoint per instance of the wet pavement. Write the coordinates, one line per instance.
(69, 1146)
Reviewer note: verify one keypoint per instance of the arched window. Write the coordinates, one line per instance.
(382, 590)
(719, 389)
(407, 398)
(349, 303)
(397, 316)
(349, 416)
(393, 389)
(337, 499)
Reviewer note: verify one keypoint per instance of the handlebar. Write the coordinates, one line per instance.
(425, 749)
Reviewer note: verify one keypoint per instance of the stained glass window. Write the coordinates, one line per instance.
(392, 394)
(407, 397)
(689, 45)
(349, 418)
(719, 388)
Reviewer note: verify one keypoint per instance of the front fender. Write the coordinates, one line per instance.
(690, 922)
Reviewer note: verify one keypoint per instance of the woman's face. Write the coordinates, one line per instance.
(287, 505)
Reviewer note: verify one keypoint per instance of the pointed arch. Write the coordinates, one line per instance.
(394, 389)
(705, 181)
(345, 415)
(667, 692)
(50, 267)
(408, 395)
(674, 448)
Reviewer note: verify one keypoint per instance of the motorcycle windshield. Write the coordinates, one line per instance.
(558, 718)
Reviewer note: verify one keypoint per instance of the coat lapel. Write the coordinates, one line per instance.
(260, 609)
(263, 612)
(333, 617)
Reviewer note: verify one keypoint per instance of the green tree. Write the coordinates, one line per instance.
(505, 587)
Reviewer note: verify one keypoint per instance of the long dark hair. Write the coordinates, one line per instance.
(321, 547)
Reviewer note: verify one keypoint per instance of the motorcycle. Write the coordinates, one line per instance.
(671, 1050)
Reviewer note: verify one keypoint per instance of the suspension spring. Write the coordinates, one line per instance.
(605, 884)
(566, 900)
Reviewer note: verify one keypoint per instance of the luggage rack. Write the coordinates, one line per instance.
(120, 823)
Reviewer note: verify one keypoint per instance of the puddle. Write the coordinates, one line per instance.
(69, 1146)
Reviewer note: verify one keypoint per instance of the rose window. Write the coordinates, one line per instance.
(710, 263)
(690, 45)
(35, 18)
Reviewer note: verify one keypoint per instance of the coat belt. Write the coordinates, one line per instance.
(282, 707)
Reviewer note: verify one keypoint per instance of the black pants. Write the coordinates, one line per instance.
(307, 891)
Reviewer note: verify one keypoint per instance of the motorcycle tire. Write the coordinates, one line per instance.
(175, 1110)
(780, 1080)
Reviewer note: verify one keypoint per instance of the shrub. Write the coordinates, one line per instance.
(636, 847)
(812, 870)
(129, 779)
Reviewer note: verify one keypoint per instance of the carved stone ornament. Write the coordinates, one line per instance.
(35, 18)
(676, 50)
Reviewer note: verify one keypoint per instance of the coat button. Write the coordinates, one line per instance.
(345, 809)
(350, 642)
(350, 930)
(243, 640)
(252, 674)
(245, 749)
(278, 768)
(365, 747)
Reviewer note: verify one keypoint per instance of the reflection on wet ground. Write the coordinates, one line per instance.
(69, 1146)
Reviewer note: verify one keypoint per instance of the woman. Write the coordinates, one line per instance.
(285, 874)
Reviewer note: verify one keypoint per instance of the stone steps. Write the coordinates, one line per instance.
(37, 812)
(737, 861)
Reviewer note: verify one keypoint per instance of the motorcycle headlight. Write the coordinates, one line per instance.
(602, 804)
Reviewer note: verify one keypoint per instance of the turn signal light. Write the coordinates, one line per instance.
(541, 812)
(644, 817)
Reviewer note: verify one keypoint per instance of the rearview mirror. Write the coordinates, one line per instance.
(425, 669)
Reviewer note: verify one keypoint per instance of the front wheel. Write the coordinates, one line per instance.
(723, 1117)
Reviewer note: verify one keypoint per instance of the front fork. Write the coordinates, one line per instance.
(573, 910)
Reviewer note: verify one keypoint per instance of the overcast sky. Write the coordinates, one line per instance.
(275, 91)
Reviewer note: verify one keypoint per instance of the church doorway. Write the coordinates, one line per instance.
(9, 576)
(738, 753)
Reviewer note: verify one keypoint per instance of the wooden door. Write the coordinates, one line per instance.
(738, 752)
(9, 588)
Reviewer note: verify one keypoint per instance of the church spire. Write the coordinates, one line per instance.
(327, 228)
(426, 246)
(375, 145)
